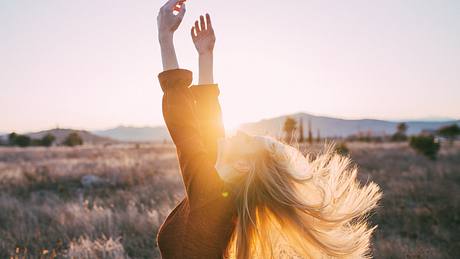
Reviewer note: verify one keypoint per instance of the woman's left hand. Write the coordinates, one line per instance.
(168, 22)
(203, 35)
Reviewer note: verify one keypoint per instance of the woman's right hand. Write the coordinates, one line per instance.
(168, 22)
(203, 35)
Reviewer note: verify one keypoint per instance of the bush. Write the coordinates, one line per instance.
(19, 140)
(342, 149)
(12, 138)
(73, 139)
(398, 137)
(25, 141)
(449, 132)
(400, 134)
(425, 145)
(47, 140)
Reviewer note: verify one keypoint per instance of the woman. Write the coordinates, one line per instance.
(249, 196)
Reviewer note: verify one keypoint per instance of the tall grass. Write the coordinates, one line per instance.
(48, 210)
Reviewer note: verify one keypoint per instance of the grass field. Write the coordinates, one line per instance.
(108, 201)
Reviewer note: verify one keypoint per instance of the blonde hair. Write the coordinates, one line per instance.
(292, 206)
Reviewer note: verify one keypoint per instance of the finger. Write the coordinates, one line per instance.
(197, 28)
(171, 4)
(178, 6)
(181, 13)
(193, 33)
(208, 21)
(202, 23)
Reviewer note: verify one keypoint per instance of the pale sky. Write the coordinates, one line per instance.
(94, 64)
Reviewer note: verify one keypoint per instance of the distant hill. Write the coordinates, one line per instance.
(136, 134)
(328, 127)
(333, 127)
(61, 134)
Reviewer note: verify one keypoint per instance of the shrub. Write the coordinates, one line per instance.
(449, 132)
(398, 137)
(47, 140)
(342, 149)
(23, 141)
(19, 140)
(73, 139)
(400, 134)
(425, 145)
(12, 138)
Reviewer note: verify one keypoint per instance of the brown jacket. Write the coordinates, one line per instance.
(200, 226)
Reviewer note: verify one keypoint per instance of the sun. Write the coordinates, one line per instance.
(231, 124)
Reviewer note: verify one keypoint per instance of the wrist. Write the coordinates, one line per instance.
(165, 37)
(205, 54)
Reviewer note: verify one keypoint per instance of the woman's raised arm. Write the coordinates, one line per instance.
(206, 92)
(168, 22)
(201, 181)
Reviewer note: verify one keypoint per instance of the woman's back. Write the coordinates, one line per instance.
(202, 233)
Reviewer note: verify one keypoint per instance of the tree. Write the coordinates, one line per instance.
(73, 139)
(310, 134)
(19, 140)
(318, 136)
(290, 125)
(449, 132)
(22, 141)
(425, 145)
(47, 140)
(402, 128)
(12, 138)
(400, 134)
(301, 137)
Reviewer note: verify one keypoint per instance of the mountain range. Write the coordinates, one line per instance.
(334, 127)
(327, 127)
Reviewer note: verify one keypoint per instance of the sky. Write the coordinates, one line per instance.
(94, 64)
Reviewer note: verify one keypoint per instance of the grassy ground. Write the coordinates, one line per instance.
(420, 213)
(108, 202)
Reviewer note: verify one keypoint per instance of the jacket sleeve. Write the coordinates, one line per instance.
(200, 178)
(209, 115)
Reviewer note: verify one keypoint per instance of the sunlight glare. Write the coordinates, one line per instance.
(231, 124)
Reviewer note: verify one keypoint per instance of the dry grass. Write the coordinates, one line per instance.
(420, 213)
(46, 210)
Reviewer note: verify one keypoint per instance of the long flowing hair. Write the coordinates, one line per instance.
(295, 206)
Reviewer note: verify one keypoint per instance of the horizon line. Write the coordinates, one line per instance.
(90, 129)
